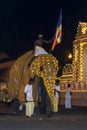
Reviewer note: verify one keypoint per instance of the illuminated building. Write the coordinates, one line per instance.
(76, 73)
(80, 53)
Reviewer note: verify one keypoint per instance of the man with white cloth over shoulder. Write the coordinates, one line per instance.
(68, 97)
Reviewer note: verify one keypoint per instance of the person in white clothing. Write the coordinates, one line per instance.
(38, 45)
(68, 97)
(28, 93)
(56, 96)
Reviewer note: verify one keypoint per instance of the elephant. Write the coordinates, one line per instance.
(27, 66)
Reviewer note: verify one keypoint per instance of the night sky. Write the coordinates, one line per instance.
(22, 20)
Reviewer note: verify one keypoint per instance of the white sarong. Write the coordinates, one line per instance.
(39, 51)
(29, 107)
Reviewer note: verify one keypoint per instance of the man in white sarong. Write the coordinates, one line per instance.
(38, 45)
(28, 91)
(56, 96)
(68, 98)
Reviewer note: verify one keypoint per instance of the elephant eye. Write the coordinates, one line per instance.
(41, 68)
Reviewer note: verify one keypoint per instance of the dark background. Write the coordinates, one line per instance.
(22, 20)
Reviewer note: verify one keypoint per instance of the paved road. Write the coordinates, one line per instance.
(22, 123)
(75, 119)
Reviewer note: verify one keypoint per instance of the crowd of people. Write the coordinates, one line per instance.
(44, 107)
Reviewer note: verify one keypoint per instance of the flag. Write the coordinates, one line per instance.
(58, 34)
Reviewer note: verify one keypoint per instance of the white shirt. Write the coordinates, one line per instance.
(28, 90)
(56, 93)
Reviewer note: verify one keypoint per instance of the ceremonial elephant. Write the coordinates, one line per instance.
(27, 66)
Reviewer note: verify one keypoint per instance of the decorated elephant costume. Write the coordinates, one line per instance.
(44, 66)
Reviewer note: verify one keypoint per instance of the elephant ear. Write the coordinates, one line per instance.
(19, 75)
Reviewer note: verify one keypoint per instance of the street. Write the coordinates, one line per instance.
(75, 119)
